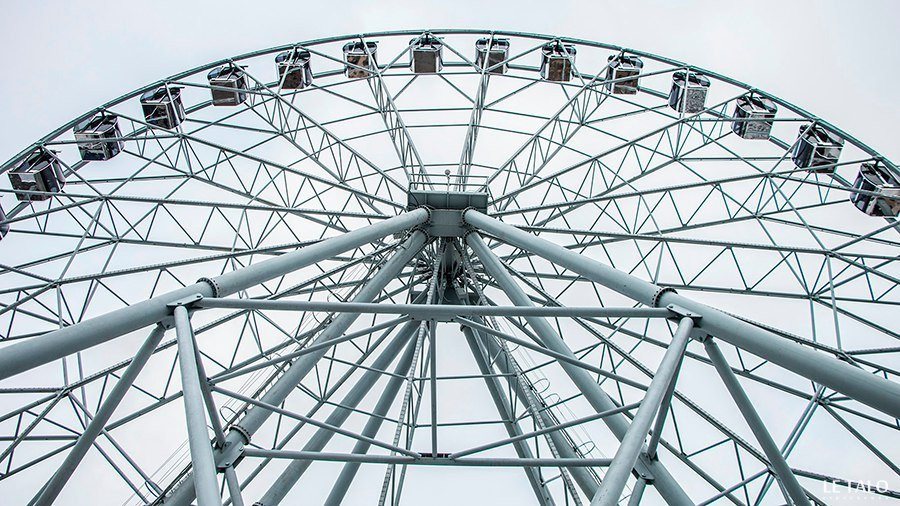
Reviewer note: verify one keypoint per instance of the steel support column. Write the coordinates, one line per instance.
(52, 489)
(665, 483)
(776, 459)
(292, 377)
(878, 393)
(234, 487)
(373, 425)
(585, 481)
(509, 418)
(627, 455)
(205, 482)
(36, 351)
(367, 380)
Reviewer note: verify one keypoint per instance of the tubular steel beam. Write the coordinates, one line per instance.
(205, 482)
(234, 487)
(388, 395)
(627, 455)
(309, 456)
(52, 489)
(37, 351)
(878, 393)
(432, 311)
(286, 384)
(515, 432)
(593, 393)
(776, 459)
(552, 428)
(367, 380)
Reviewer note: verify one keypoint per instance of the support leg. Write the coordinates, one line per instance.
(205, 482)
(665, 483)
(317, 442)
(40, 350)
(505, 410)
(782, 471)
(339, 490)
(292, 377)
(878, 393)
(630, 449)
(87, 438)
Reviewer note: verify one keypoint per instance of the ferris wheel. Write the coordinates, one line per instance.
(423, 267)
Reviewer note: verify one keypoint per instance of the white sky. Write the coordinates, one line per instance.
(839, 60)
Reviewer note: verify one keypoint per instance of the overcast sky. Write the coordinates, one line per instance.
(839, 60)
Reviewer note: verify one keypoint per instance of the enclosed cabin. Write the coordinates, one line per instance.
(817, 149)
(491, 54)
(689, 91)
(360, 59)
(556, 61)
(622, 74)
(41, 171)
(876, 178)
(427, 55)
(753, 115)
(162, 107)
(293, 69)
(228, 85)
(99, 137)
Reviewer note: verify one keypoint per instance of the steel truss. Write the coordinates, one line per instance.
(650, 308)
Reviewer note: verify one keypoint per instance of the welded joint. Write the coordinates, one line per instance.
(700, 335)
(433, 319)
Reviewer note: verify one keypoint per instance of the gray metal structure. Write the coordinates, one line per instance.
(319, 293)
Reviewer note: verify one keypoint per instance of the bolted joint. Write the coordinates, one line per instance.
(423, 227)
(186, 302)
(169, 321)
(659, 293)
(241, 431)
(230, 455)
(212, 284)
(681, 312)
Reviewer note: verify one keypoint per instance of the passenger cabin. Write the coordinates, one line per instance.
(753, 115)
(162, 106)
(293, 69)
(427, 55)
(688, 93)
(491, 54)
(229, 85)
(361, 59)
(556, 61)
(99, 137)
(874, 177)
(622, 74)
(817, 149)
(41, 171)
